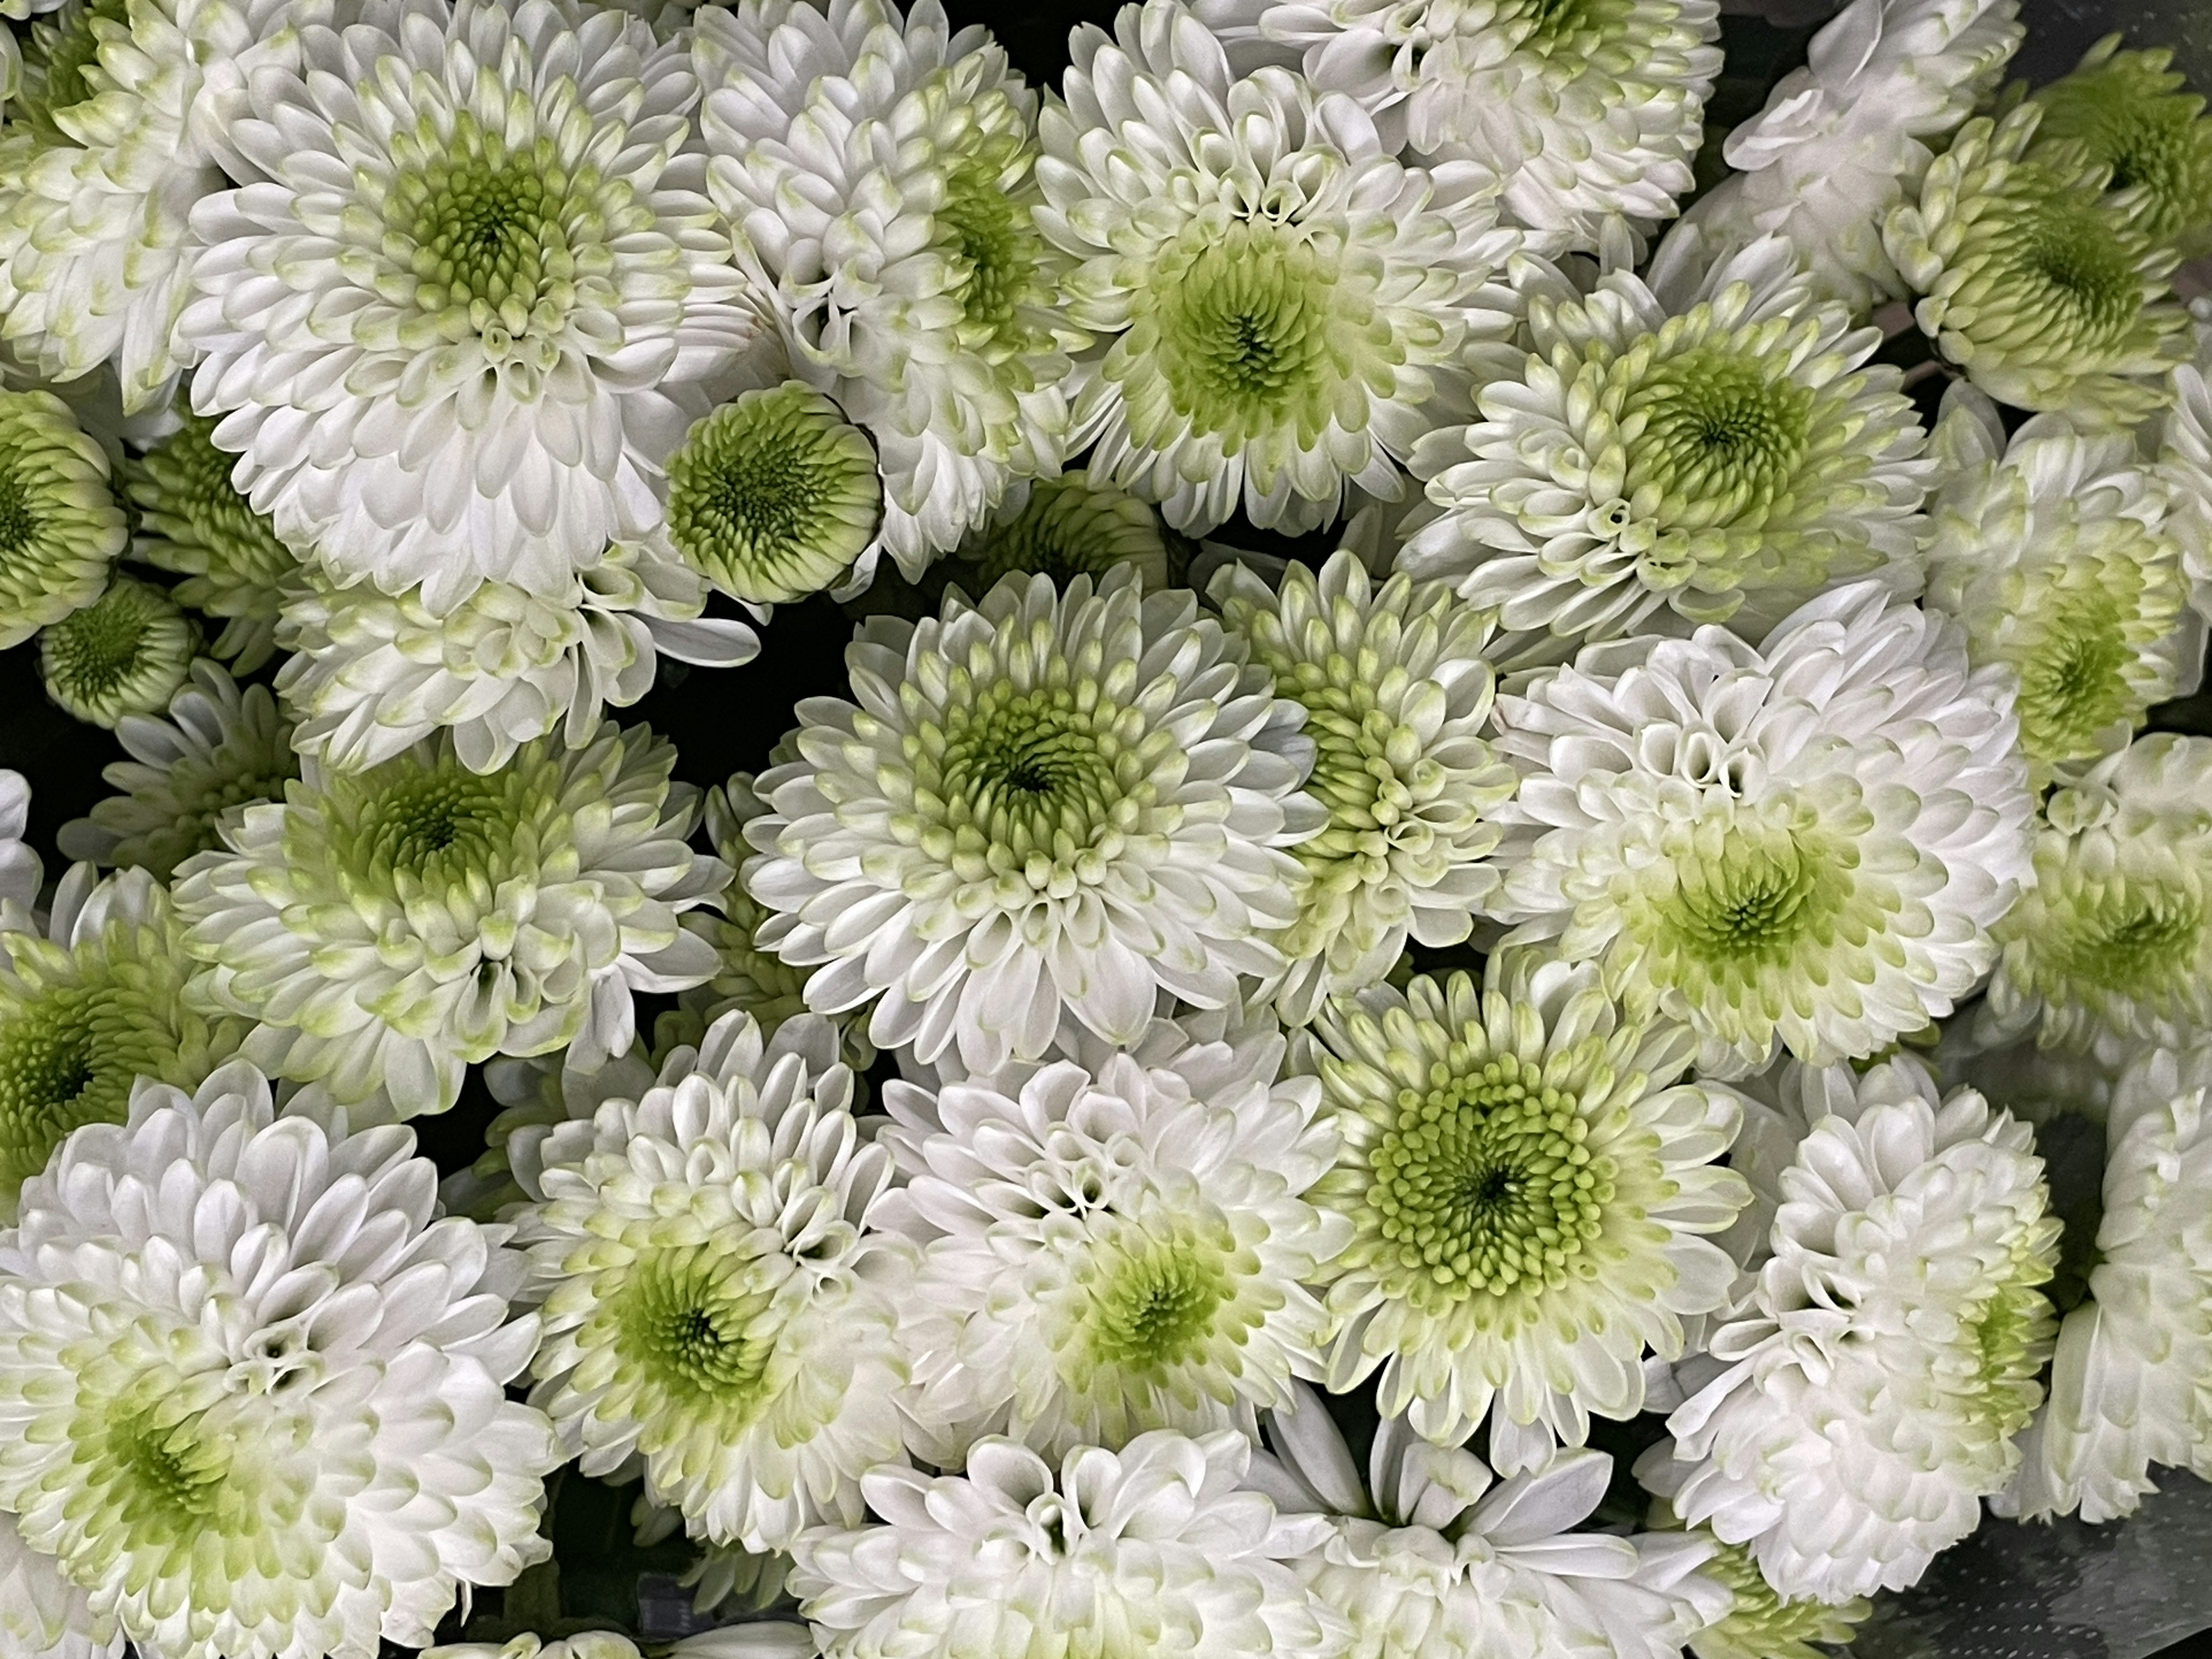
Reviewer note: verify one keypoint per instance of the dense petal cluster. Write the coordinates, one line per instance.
(1800, 844)
(2127, 110)
(254, 1392)
(61, 529)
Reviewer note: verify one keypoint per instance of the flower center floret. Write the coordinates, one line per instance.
(1034, 775)
(697, 1322)
(995, 245)
(2074, 275)
(434, 830)
(1722, 435)
(1155, 1301)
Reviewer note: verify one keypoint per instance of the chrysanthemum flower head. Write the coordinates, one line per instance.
(1047, 800)
(375, 673)
(2049, 293)
(1885, 1364)
(2129, 1384)
(1590, 113)
(1156, 1545)
(193, 522)
(881, 172)
(1529, 1185)
(389, 927)
(1396, 692)
(1722, 451)
(1287, 307)
(775, 495)
(42, 1614)
(127, 652)
(128, 120)
(1114, 1243)
(1068, 526)
(1800, 844)
(2112, 937)
(2130, 112)
(2053, 549)
(89, 1005)
(519, 291)
(718, 1301)
(60, 527)
(1431, 1554)
(264, 1415)
(1842, 139)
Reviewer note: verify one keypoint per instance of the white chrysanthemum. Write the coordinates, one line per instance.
(388, 929)
(131, 118)
(1886, 1360)
(22, 872)
(2052, 550)
(1289, 306)
(263, 1414)
(1589, 112)
(1045, 801)
(1396, 692)
(2131, 1385)
(881, 173)
(718, 1302)
(1529, 1184)
(42, 1614)
(1114, 1246)
(375, 673)
(456, 329)
(1800, 844)
(125, 654)
(1428, 1557)
(2046, 291)
(89, 1005)
(1724, 452)
(219, 747)
(192, 521)
(1842, 139)
(60, 526)
(1153, 1548)
(2112, 937)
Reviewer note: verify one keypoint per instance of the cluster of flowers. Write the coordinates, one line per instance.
(1049, 1112)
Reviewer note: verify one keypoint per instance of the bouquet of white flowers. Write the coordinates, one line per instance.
(1427, 872)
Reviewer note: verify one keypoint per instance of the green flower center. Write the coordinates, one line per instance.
(1240, 325)
(1031, 773)
(1484, 1183)
(1153, 1305)
(1068, 529)
(2073, 273)
(19, 524)
(1572, 29)
(60, 53)
(172, 1479)
(2075, 685)
(2130, 117)
(99, 648)
(2012, 1336)
(773, 495)
(51, 1083)
(1754, 900)
(2137, 942)
(1723, 438)
(434, 822)
(406, 830)
(696, 1322)
(996, 246)
(125, 654)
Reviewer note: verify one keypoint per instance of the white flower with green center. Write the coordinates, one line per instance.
(2132, 1383)
(1397, 692)
(131, 118)
(748, 975)
(1883, 1365)
(2111, 939)
(193, 522)
(127, 652)
(1429, 1555)
(1064, 527)
(22, 872)
(1761, 1623)
(1529, 1187)
(517, 286)
(719, 1302)
(1842, 140)
(1156, 1547)
(265, 1415)
(88, 1005)
(881, 173)
(60, 528)
(1588, 109)
(1112, 1250)
(1047, 801)
(42, 1614)
(1285, 307)
(2134, 115)
(390, 927)
(375, 673)
(775, 495)
(1802, 844)
(1723, 453)
(218, 748)
(2053, 550)
(2048, 293)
